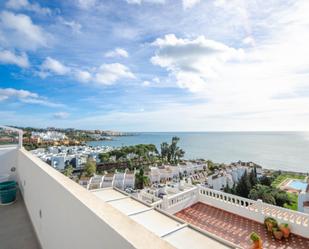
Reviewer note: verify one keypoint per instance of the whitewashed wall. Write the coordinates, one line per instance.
(8, 160)
(65, 215)
(255, 210)
(180, 201)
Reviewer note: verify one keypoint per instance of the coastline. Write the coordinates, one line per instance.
(286, 151)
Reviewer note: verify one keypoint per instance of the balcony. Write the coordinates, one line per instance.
(16, 230)
(64, 215)
(233, 218)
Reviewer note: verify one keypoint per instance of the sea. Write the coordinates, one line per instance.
(287, 151)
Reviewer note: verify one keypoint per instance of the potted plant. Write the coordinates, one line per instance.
(270, 223)
(285, 229)
(277, 233)
(256, 239)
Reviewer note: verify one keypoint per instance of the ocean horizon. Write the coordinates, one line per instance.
(284, 150)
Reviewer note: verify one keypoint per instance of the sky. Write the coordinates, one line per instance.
(155, 65)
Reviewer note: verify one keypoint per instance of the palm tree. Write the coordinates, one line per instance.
(171, 153)
(164, 150)
(179, 154)
(140, 179)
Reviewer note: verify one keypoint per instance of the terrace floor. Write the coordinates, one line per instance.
(235, 228)
(16, 231)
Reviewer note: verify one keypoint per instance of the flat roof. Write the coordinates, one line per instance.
(156, 222)
(128, 206)
(177, 233)
(108, 194)
(186, 237)
(234, 228)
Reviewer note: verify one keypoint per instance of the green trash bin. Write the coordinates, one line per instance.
(7, 185)
(8, 191)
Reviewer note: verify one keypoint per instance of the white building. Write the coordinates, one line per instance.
(49, 135)
(58, 162)
(169, 172)
(217, 181)
(76, 155)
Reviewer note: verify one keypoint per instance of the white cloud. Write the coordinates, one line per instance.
(145, 1)
(75, 26)
(108, 74)
(19, 31)
(6, 93)
(155, 82)
(193, 62)
(83, 76)
(86, 4)
(8, 57)
(262, 86)
(61, 115)
(51, 65)
(117, 52)
(25, 96)
(41, 101)
(249, 40)
(237, 13)
(26, 5)
(146, 83)
(187, 4)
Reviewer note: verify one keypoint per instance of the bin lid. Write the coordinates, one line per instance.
(4, 178)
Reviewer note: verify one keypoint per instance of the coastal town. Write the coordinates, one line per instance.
(34, 138)
(149, 177)
(151, 173)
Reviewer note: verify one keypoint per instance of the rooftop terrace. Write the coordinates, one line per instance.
(235, 228)
(16, 230)
(176, 232)
(57, 213)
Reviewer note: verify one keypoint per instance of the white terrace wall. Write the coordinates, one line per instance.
(8, 161)
(177, 202)
(231, 203)
(65, 215)
(250, 209)
(255, 210)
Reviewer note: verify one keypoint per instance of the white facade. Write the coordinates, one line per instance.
(217, 181)
(58, 155)
(118, 180)
(168, 172)
(58, 162)
(49, 135)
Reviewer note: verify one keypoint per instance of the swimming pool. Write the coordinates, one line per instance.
(297, 184)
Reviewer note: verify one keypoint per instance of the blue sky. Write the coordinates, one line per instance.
(155, 65)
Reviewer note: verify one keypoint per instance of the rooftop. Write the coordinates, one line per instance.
(178, 233)
(16, 230)
(235, 228)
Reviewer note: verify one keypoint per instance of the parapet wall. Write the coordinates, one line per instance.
(250, 209)
(65, 215)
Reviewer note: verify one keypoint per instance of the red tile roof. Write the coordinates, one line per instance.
(235, 228)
